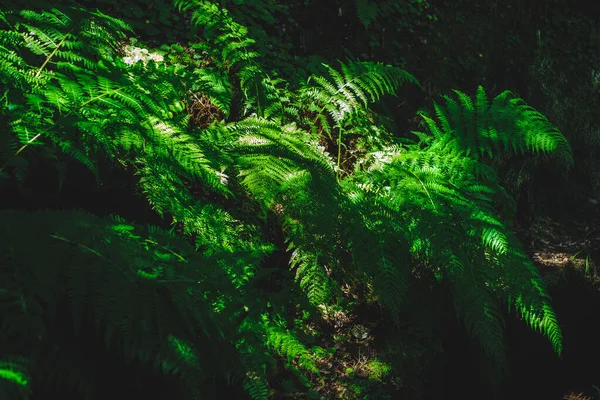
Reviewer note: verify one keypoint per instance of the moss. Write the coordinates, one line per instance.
(377, 369)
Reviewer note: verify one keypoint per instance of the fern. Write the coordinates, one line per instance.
(378, 247)
(339, 102)
(366, 11)
(505, 124)
(440, 183)
(290, 177)
(285, 343)
(358, 84)
(52, 37)
(183, 298)
(14, 378)
(229, 45)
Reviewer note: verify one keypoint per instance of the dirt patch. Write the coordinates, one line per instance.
(555, 246)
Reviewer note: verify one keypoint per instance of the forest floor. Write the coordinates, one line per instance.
(554, 246)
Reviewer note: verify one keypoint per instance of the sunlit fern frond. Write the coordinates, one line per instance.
(343, 93)
(506, 123)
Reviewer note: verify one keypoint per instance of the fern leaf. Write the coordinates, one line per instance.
(367, 12)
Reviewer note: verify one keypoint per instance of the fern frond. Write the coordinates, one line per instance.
(359, 84)
(378, 246)
(14, 378)
(311, 276)
(256, 387)
(366, 11)
(507, 124)
(447, 196)
(287, 344)
(483, 319)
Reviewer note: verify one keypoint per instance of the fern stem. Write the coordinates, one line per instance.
(64, 239)
(179, 256)
(51, 55)
(424, 188)
(22, 148)
(101, 96)
(339, 155)
(260, 114)
(27, 144)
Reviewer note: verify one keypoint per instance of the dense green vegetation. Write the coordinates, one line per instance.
(245, 199)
